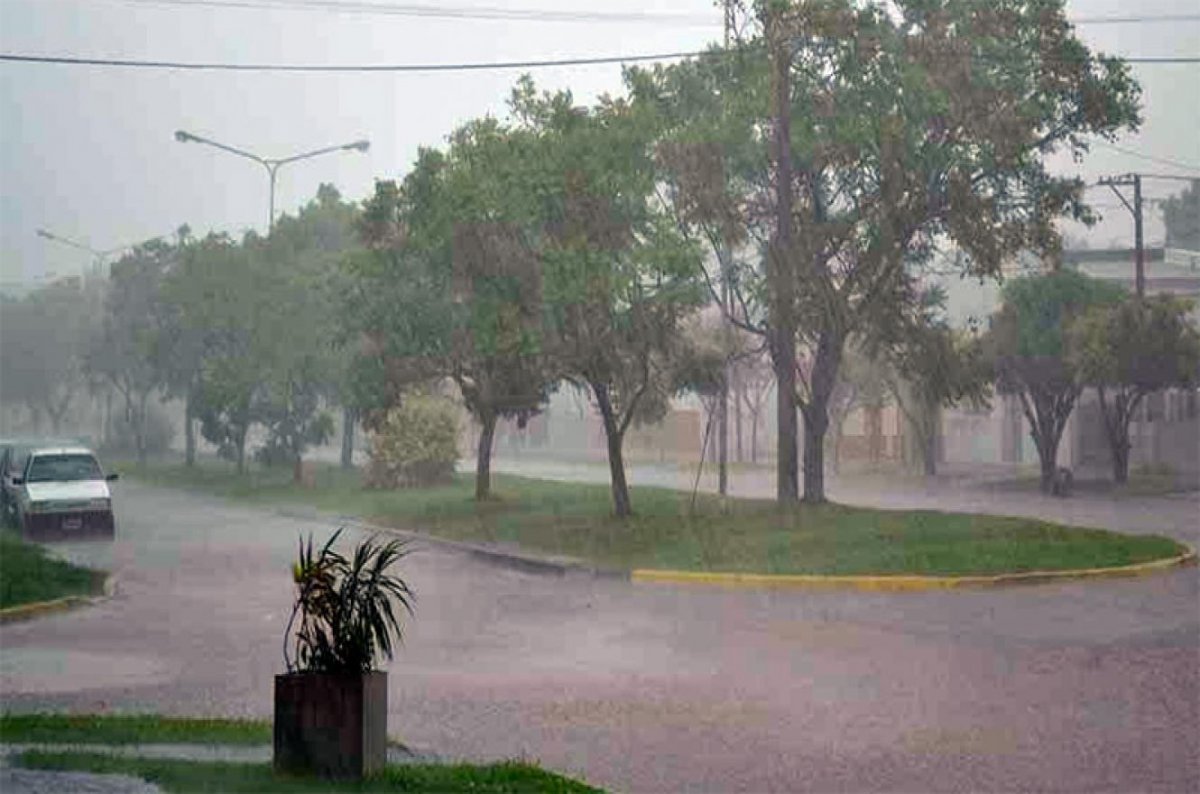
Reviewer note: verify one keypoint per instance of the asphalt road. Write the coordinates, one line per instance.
(639, 687)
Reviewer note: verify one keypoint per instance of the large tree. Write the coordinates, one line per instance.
(1181, 216)
(929, 367)
(1030, 350)
(45, 341)
(126, 352)
(297, 334)
(845, 141)
(1128, 350)
(216, 299)
(619, 277)
(459, 237)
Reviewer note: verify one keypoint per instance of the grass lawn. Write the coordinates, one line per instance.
(206, 776)
(736, 535)
(129, 729)
(28, 574)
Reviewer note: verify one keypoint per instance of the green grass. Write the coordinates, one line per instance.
(129, 729)
(204, 776)
(739, 535)
(28, 574)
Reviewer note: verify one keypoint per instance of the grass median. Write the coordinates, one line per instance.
(182, 775)
(726, 535)
(28, 574)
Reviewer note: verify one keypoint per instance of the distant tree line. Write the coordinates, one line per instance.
(797, 183)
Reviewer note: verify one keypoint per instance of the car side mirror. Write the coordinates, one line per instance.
(18, 480)
(113, 477)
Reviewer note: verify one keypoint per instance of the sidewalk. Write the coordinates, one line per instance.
(16, 780)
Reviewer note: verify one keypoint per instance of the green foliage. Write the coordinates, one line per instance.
(29, 574)
(415, 444)
(908, 124)
(347, 607)
(1128, 350)
(713, 534)
(1036, 310)
(203, 777)
(45, 338)
(1028, 347)
(1146, 344)
(116, 729)
(1181, 216)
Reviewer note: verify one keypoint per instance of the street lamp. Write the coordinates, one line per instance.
(98, 256)
(271, 164)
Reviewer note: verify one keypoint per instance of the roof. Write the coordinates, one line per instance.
(60, 451)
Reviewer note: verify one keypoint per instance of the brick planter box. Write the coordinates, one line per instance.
(330, 725)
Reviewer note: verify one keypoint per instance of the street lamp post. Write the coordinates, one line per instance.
(99, 257)
(271, 164)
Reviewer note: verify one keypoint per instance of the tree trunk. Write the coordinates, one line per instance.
(780, 268)
(816, 415)
(1047, 414)
(754, 435)
(1116, 427)
(1048, 457)
(297, 468)
(241, 451)
(740, 456)
(816, 422)
(483, 457)
(929, 452)
(622, 506)
(349, 421)
(723, 438)
(139, 430)
(189, 431)
(108, 431)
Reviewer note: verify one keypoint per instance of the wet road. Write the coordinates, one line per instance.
(639, 687)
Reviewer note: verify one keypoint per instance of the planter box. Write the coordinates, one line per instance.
(330, 725)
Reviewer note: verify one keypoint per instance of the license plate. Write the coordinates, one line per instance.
(72, 523)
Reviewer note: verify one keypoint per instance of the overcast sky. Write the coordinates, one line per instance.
(89, 153)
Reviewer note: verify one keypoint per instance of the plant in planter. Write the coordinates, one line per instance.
(331, 704)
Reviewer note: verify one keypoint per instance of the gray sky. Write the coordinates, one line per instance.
(89, 152)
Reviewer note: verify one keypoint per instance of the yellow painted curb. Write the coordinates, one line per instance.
(907, 583)
(38, 608)
(26, 611)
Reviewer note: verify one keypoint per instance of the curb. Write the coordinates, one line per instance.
(901, 582)
(521, 561)
(36, 609)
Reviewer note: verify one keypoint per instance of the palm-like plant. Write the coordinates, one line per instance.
(346, 606)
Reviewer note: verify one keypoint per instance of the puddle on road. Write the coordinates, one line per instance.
(52, 671)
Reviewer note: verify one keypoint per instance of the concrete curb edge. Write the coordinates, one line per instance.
(902, 582)
(522, 561)
(36, 609)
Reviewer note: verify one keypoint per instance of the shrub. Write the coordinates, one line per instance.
(347, 607)
(415, 444)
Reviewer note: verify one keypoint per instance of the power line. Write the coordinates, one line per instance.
(1150, 157)
(404, 67)
(1133, 20)
(444, 11)
(408, 67)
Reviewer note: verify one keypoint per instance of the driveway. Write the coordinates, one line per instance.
(640, 687)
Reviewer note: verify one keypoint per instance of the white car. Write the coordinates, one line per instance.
(62, 491)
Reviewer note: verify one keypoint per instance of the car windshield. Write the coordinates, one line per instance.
(58, 468)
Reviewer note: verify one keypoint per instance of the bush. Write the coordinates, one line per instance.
(158, 433)
(415, 444)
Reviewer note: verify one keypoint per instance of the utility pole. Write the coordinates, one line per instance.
(1134, 180)
(723, 397)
